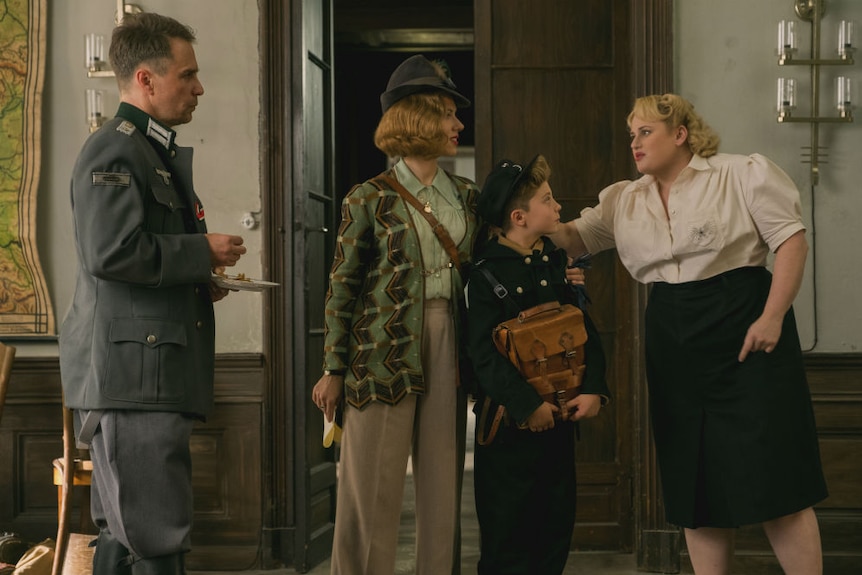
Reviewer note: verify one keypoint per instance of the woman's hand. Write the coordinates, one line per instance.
(575, 276)
(787, 271)
(327, 393)
(543, 418)
(762, 335)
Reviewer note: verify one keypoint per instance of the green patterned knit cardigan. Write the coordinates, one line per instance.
(375, 302)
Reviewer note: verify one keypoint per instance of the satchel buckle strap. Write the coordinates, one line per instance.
(561, 403)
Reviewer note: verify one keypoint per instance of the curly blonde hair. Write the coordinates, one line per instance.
(413, 126)
(675, 111)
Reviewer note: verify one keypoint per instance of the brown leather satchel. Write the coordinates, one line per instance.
(546, 344)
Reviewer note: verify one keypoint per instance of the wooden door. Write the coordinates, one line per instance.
(553, 76)
(314, 227)
(301, 210)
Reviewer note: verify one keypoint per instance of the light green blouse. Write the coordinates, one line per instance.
(443, 200)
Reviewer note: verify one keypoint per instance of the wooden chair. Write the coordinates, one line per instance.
(7, 356)
(81, 474)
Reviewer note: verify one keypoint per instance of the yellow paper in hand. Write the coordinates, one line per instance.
(331, 432)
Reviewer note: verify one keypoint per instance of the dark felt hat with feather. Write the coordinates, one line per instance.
(417, 74)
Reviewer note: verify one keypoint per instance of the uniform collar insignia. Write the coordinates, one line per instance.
(159, 133)
(147, 125)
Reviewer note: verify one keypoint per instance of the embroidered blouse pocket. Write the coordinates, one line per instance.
(702, 232)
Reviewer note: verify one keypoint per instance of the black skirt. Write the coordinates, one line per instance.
(736, 442)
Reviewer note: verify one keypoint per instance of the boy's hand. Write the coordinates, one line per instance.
(543, 418)
(583, 406)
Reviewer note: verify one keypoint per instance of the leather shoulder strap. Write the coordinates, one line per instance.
(438, 229)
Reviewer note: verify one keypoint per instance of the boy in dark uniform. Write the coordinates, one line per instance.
(525, 476)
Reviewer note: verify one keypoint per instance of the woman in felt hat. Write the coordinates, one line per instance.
(392, 331)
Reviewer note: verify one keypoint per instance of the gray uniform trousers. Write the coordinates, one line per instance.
(142, 492)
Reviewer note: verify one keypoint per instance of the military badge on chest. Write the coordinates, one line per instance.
(199, 211)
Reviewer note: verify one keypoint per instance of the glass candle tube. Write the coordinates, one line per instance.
(786, 95)
(845, 38)
(843, 94)
(95, 109)
(94, 49)
(786, 37)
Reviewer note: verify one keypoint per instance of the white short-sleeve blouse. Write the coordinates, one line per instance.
(724, 212)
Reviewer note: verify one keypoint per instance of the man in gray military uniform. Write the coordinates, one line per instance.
(137, 346)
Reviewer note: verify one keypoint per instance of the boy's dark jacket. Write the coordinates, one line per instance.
(530, 280)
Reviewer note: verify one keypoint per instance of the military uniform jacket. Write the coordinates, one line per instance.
(140, 332)
(374, 307)
(530, 280)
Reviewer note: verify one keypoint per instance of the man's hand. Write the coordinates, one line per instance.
(225, 250)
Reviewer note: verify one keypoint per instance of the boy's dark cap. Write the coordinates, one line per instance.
(414, 75)
(499, 189)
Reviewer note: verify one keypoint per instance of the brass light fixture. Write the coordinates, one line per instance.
(812, 11)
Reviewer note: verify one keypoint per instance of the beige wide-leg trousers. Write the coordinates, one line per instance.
(375, 447)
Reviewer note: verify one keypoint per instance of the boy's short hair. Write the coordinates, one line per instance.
(510, 187)
(413, 126)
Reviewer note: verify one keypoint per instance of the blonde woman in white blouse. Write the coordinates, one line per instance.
(731, 409)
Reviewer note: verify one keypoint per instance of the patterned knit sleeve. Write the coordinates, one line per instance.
(354, 250)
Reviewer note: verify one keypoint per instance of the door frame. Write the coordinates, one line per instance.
(281, 66)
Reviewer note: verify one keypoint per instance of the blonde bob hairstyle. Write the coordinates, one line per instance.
(676, 111)
(413, 126)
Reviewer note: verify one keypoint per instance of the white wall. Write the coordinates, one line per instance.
(725, 63)
(224, 134)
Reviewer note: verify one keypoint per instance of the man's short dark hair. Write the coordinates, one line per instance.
(144, 37)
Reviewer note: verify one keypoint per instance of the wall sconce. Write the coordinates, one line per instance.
(95, 109)
(812, 11)
(94, 44)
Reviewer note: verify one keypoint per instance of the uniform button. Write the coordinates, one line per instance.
(519, 289)
(197, 290)
(543, 283)
(528, 259)
(151, 339)
(199, 324)
(545, 258)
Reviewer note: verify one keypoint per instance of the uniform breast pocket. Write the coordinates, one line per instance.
(166, 215)
(701, 232)
(146, 361)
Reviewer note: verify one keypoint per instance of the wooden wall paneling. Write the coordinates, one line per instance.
(836, 387)
(226, 461)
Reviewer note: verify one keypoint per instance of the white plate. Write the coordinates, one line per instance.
(247, 284)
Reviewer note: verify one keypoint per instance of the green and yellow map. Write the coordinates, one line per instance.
(25, 308)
